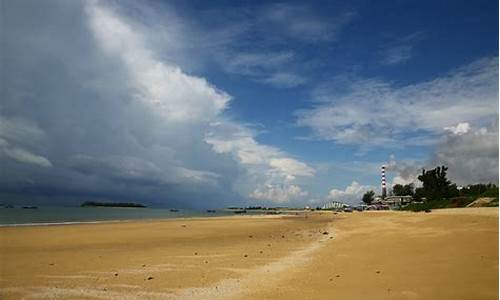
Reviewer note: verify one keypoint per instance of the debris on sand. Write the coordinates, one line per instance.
(246, 255)
(325, 232)
(149, 278)
(116, 274)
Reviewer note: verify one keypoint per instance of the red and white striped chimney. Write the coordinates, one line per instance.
(384, 188)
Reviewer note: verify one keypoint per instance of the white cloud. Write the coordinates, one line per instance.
(286, 80)
(377, 113)
(459, 129)
(268, 168)
(177, 96)
(470, 153)
(290, 167)
(401, 50)
(24, 156)
(471, 156)
(300, 22)
(405, 171)
(352, 194)
(15, 135)
(255, 63)
(271, 68)
(278, 193)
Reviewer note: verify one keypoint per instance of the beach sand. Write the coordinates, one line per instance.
(445, 254)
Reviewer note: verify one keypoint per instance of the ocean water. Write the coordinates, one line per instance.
(55, 215)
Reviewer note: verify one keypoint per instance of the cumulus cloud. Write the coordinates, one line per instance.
(110, 115)
(374, 112)
(278, 194)
(177, 96)
(405, 171)
(459, 129)
(471, 155)
(352, 194)
(271, 170)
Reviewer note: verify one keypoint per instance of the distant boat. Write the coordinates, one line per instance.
(211, 210)
(240, 211)
(174, 210)
(30, 207)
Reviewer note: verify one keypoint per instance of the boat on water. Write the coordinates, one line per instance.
(30, 207)
(211, 211)
(241, 211)
(174, 210)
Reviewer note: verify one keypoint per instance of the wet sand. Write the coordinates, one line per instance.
(446, 254)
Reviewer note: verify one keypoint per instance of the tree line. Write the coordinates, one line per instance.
(436, 186)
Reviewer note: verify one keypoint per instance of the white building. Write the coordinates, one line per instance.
(334, 205)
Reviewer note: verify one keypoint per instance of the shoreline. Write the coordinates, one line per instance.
(460, 210)
(64, 223)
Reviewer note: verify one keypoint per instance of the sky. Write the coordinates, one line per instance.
(203, 104)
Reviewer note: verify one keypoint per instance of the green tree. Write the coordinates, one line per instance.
(368, 197)
(436, 185)
(419, 194)
(397, 190)
(403, 190)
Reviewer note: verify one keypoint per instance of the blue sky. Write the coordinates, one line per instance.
(287, 103)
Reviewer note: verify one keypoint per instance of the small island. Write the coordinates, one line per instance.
(112, 204)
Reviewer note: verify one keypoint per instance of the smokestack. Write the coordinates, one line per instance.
(384, 189)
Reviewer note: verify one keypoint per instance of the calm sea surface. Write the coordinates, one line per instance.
(45, 215)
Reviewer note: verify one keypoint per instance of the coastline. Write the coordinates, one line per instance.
(313, 255)
(158, 219)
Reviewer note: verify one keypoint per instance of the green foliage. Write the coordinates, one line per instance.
(419, 194)
(440, 203)
(480, 190)
(403, 190)
(111, 204)
(368, 197)
(436, 185)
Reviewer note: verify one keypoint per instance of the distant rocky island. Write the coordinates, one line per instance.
(111, 204)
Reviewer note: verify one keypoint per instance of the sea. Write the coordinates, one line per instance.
(18, 216)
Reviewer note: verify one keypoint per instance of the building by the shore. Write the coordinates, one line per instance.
(393, 201)
(334, 205)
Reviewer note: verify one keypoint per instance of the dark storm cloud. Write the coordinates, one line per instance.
(90, 111)
(69, 125)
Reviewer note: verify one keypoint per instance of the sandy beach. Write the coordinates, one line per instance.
(445, 254)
